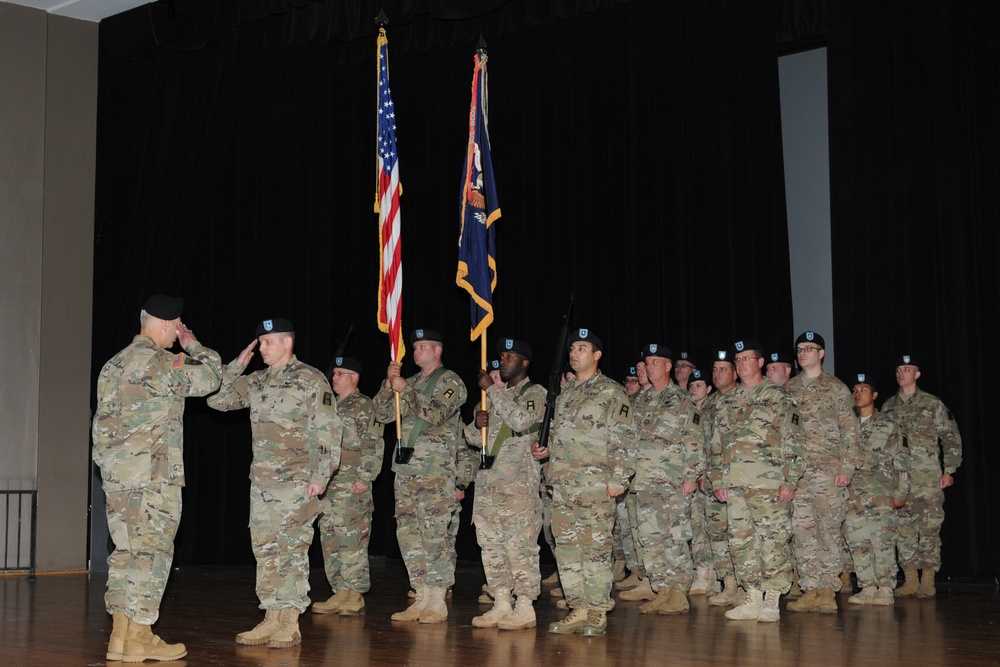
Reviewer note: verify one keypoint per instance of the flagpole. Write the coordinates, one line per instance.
(482, 361)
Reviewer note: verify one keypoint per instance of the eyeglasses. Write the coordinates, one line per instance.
(745, 360)
(806, 349)
(631, 381)
(682, 365)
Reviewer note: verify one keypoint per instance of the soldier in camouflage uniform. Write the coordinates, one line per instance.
(139, 446)
(345, 525)
(703, 560)
(669, 446)
(426, 472)
(590, 467)
(832, 455)
(636, 586)
(877, 491)
(296, 448)
(683, 369)
(716, 514)
(933, 438)
(624, 554)
(778, 368)
(508, 511)
(756, 463)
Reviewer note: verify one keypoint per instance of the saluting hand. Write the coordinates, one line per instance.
(185, 335)
(247, 354)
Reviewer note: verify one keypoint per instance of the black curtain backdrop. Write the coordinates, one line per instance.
(637, 154)
(914, 92)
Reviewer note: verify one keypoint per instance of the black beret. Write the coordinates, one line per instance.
(748, 344)
(492, 365)
(347, 363)
(630, 372)
(164, 307)
(725, 355)
(811, 337)
(698, 376)
(425, 334)
(587, 336)
(515, 346)
(907, 360)
(779, 358)
(276, 325)
(657, 350)
(864, 378)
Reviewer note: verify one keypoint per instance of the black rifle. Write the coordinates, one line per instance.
(555, 378)
(340, 351)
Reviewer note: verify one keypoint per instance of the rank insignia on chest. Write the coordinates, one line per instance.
(696, 419)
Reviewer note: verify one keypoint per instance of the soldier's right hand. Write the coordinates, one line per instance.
(482, 419)
(247, 354)
(539, 453)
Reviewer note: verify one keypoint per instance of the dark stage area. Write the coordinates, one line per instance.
(60, 620)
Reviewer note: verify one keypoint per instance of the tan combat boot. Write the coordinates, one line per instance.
(552, 579)
(629, 582)
(262, 632)
(912, 583)
(501, 608)
(750, 609)
(827, 603)
(412, 613)
(522, 618)
(927, 588)
(661, 598)
(703, 579)
(116, 645)
(644, 591)
(574, 622)
(769, 612)
(597, 624)
(435, 609)
(330, 606)
(729, 596)
(676, 603)
(557, 592)
(486, 596)
(866, 596)
(141, 644)
(618, 570)
(287, 635)
(808, 602)
(883, 597)
(352, 604)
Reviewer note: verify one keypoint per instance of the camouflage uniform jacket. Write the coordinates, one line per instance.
(138, 427)
(757, 439)
(885, 464)
(669, 440)
(362, 449)
(588, 444)
(515, 470)
(929, 427)
(831, 426)
(436, 446)
(293, 416)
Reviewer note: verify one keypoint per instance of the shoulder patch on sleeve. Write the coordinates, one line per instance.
(178, 361)
(188, 361)
(448, 393)
(328, 398)
(622, 412)
(795, 419)
(530, 405)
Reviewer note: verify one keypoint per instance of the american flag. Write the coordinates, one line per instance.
(390, 284)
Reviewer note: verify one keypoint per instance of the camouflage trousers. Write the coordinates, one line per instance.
(143, 523)
(453, 525)
(281, 531)
(717, 527)
(701, 545)
(624, 545)
(547, 518)
(582, 520)
(760, 532)
(424, 507)
(507, 526)
(345, 527)
(870, 531)
(918, 535)
(664, 528)
(818, 513)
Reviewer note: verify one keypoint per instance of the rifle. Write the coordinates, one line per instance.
(555, 377)
(340, 350)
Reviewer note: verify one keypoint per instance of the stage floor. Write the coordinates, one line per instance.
(60, 620)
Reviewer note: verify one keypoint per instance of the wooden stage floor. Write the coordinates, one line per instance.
(60, 620)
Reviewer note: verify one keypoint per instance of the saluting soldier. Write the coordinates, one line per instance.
(138, 433)
(296, 448)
